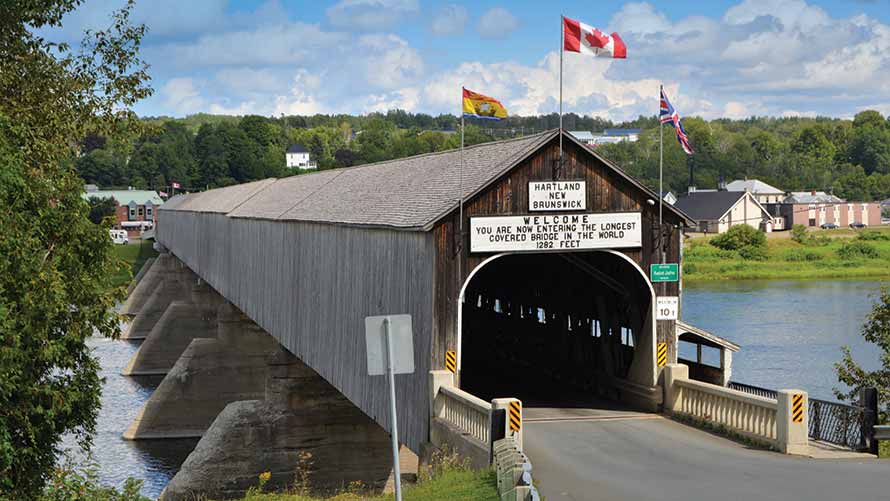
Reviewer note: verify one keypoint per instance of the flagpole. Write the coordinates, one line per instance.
(562, 34)
(660, 174)
(460, 188)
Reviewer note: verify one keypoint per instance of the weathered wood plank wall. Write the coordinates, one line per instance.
(311, 286)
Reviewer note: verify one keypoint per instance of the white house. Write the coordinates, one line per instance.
(717, 211)
(297, 156)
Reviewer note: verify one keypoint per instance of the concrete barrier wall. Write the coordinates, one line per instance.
(767, 421)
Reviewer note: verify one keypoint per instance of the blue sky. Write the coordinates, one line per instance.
(716, 58)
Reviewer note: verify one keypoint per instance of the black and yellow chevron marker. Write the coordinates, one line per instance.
(515, 416)
(662, 354)
(451, 361)
(797, 408)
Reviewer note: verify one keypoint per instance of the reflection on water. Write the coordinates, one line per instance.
(153, 461)
(791, 332)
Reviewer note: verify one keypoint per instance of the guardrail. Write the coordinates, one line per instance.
(468, 413)
(882, 432)
(749, 415)
(514, 472)
(833, 422)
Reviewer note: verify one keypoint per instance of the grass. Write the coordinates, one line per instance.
(134, 256)
(787, 259)
(449, 485)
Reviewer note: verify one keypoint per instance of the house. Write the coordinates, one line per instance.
(136, 210)
(584, 136)
(815, 208)
(717, 211)
(297, 156)
(763, 193)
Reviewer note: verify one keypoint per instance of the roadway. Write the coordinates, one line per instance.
(611, 454)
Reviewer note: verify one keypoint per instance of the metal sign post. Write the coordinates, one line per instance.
(391, 351)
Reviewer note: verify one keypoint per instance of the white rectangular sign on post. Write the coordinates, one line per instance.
(402, 344)
(557, 195)
(558, 232)
(666, 307)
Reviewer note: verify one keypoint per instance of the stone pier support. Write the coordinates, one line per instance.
(302, 416)
(209, 374)
(172, 284)
(145, 286)
(140, 275)
(178, 326)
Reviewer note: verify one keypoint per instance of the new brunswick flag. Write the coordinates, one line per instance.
(479, 106)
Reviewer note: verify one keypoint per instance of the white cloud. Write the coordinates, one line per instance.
(449, 20)
(390, 62)
(497, 23)
(370, 15)
(180, 94)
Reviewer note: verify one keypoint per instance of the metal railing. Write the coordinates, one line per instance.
(470, 414)
(833, 422)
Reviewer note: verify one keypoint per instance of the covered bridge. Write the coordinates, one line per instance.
(540, 282)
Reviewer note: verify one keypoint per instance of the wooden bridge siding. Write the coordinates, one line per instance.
(311, 285)
(606, 192)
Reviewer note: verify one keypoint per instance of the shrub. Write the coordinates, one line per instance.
(857, 249)
(799, 255)
(753, 253)
(874, 235)
(747, 241)
(799, 233)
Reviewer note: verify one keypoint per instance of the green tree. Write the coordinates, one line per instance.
(55, 285)
(749, 242)
(849, 373)
(870, 148)
(100, 208)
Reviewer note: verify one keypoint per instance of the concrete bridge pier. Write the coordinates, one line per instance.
(171, 283)
(145, 286)
(220, 365)
(303, 429)
(146, 266)
(181, 322)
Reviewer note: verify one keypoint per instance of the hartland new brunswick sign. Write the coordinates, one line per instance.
(555, 232)
(557, 195)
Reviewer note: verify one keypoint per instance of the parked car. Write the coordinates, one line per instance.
(829, 226)
(119, 236)
(857, 225)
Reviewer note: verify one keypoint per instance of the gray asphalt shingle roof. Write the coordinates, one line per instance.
(708, 205)
(407, 193)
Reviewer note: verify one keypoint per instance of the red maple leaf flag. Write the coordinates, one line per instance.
(585, 39)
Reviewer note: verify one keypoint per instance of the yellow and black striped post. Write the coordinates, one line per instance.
(451, 361)
(514, 416)
(797, 409)
(662, 354)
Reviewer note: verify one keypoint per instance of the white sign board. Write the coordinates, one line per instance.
(557, 195)
(555, 232)
(402, 344)
(666, 307)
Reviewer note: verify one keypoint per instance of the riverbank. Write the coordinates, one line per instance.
(821, 257)
(134, 256)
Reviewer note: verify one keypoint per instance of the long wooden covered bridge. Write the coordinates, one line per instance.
(539, 284)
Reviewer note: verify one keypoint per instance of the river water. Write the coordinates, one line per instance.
(790, 333)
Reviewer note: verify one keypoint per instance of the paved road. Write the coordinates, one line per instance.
(610, 455)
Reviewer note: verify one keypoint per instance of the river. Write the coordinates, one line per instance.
(790, 333)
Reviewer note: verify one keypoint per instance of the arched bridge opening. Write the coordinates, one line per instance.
(557, 329)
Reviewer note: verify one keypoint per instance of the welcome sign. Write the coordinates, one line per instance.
(555, 232)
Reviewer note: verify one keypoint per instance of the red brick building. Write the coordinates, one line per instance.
(815, 208)
(136, 210)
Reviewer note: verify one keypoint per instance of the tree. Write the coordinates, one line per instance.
(849, 373)
(100, 208)
(55, 285)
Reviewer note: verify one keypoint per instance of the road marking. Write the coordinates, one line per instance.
(451, 361)
(662, 354)
(622, 417)
(797, 408)
(515, 415)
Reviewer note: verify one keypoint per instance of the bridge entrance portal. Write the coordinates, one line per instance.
(558, 329)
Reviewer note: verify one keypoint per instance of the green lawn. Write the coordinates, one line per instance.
(787, 259)
(134, 256)
(452, 485)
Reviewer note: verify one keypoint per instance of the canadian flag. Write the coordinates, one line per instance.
(585, 39)
(176, 185)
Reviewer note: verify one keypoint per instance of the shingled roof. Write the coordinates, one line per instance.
(708, 205)
(408, 193)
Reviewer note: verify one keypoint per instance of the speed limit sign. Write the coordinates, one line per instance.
(666, 307)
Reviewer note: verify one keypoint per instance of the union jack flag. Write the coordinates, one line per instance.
(668, 115)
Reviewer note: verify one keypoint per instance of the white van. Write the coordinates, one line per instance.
(119, 236)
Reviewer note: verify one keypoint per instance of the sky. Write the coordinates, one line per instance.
(715, 58)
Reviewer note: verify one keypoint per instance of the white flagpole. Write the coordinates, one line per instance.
(562, 34)
(460, 188)
(660, 174)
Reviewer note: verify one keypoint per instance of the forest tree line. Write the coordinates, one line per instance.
(850, 158)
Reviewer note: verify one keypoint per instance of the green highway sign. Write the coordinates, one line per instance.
(664, 272)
